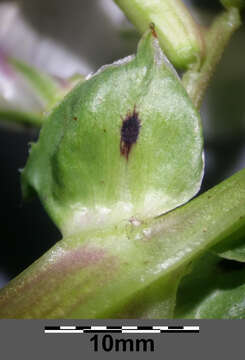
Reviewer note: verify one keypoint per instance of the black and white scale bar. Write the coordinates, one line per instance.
(120, 329)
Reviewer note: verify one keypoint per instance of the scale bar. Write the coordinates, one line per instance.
(120, 329)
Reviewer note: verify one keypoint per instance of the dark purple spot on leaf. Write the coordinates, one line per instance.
(129, 132)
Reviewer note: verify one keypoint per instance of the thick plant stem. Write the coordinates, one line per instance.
(127, 271)
(217, 37)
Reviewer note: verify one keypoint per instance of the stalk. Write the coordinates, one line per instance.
(126, 270)
(217, 37)
(180, 37)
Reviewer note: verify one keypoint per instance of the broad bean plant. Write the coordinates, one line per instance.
(117, 166)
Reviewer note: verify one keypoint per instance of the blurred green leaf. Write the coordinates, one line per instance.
(46, 86)
(27, 93)
(215, 289)
(233, 247)
(13, 118)
(240, 4)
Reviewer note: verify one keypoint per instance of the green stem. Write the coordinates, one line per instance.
(126, 270)
(178, 34)
(217, 37)
(21, 117)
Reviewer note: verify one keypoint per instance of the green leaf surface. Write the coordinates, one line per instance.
(233, 247)
(126, 143)
(133, 270)
(215, 289)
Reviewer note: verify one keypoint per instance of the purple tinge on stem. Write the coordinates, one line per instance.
(61, 272)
